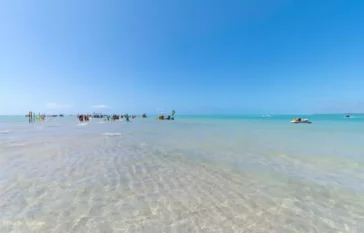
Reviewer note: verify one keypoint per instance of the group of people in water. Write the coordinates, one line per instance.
(117, 117)
(161, 117)
(114, 117)
(83, 117)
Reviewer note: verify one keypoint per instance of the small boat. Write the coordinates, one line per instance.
(347, 116)
(98, 115)
(299, 121)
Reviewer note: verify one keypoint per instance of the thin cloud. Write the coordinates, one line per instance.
(101, 106)
(55, 106)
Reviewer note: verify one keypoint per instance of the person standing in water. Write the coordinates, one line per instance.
(127, 117)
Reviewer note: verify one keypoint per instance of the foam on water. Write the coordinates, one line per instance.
(53, 126)
(111, 134)
(16, 144)
(194, 174)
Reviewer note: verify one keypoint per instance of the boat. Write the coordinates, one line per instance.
(97, 115)
(300, 121)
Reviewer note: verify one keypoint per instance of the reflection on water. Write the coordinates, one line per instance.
(181, 176)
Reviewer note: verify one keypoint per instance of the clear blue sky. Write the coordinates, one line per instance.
(194, 56)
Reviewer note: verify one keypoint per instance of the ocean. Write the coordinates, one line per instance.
(194, 174)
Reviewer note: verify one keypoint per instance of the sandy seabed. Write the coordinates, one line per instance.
(118, 182)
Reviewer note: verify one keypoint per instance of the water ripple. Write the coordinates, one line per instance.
(147, 179)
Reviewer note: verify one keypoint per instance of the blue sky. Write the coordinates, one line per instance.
(194, 56)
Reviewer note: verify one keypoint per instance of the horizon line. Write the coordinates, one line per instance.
(210, 114)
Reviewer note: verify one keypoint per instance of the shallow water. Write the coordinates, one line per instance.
(194, 174)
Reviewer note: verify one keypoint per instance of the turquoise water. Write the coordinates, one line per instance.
(194, 174)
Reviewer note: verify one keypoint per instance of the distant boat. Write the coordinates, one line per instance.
(347, 116)
(97, 115)
(61, 115)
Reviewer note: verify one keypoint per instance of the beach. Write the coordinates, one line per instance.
(193, 174)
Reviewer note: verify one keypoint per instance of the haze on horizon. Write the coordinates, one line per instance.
(195, 56)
